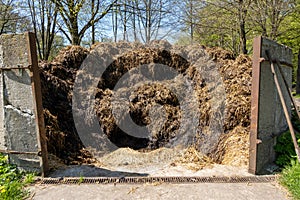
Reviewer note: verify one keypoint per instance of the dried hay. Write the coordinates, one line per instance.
(71, 56)
(220, 54)
(144, 99)
(194, 160)
(237, 79)
(57, 79)
(130, 157)
(57, 84)
(233, 148)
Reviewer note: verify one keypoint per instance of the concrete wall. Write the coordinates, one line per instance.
(267, 117)
(19, 129)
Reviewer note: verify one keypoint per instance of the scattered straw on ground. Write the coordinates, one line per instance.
(194, 160)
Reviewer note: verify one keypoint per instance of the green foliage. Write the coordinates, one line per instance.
(285, 149)
(290, 178)
(58, 44)
(290, 34)
(12, 181)
(81, 179)
(217, 26)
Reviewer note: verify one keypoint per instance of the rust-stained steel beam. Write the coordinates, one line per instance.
(288, 89)
(19, 152)
(276, 60)
(37, 95)
(17, 67)
(255, 103)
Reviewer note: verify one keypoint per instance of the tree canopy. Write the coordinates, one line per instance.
(230, 24)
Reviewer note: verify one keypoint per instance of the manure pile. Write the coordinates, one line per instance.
(227, 147)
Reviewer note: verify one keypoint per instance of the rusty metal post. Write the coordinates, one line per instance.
(288, 89)
(254, 103)
(37, 94)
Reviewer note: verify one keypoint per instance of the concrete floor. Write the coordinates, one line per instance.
(205, 191)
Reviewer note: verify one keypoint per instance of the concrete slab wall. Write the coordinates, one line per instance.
(267, 115)
(19, 127)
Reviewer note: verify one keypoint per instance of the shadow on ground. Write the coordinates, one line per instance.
(91, 171)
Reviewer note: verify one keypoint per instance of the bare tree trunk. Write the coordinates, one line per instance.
(148, 21)
(243, 38)
(298, 75)
(93, 23)
(74, 31)
(115, 23)
(242, 16)
(191, 22)
(69, 11)
(45, 27)
(50, 33)
(125, 21)
(134, 23)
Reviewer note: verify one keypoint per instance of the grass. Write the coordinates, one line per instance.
(287, 159)
(13, 181)
(290, 178)
(297, 96)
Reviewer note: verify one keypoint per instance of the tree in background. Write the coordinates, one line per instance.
(231, 24)
(70, 10)
(223, 23)
(143, 20)
(43, 15)
(298, 74)
(289, 35)
(154, 19)
(267, 16)
(11, 20)
(187, 14)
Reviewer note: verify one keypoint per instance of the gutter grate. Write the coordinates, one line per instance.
(143, 180)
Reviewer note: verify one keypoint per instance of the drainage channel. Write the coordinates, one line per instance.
(152, 180)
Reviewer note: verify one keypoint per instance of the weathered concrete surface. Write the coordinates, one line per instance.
(205, 191)
(14, 50)
(152, 170)
(267, 117)
(18, 129)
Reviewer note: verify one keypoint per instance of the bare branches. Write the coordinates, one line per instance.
(10, 20)
(44, 17)
(69, 11)
(229, 23)
(148, 19)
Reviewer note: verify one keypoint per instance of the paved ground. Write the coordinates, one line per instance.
(207, 191)
(232, 191)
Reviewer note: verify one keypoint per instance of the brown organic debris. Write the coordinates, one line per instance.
(194, 160)
(57, 84)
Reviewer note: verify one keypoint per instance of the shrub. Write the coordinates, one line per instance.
(12, 181)
(290, 178)
(285, 149)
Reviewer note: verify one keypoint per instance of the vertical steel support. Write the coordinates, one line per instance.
(254, 103)
(37, 95)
